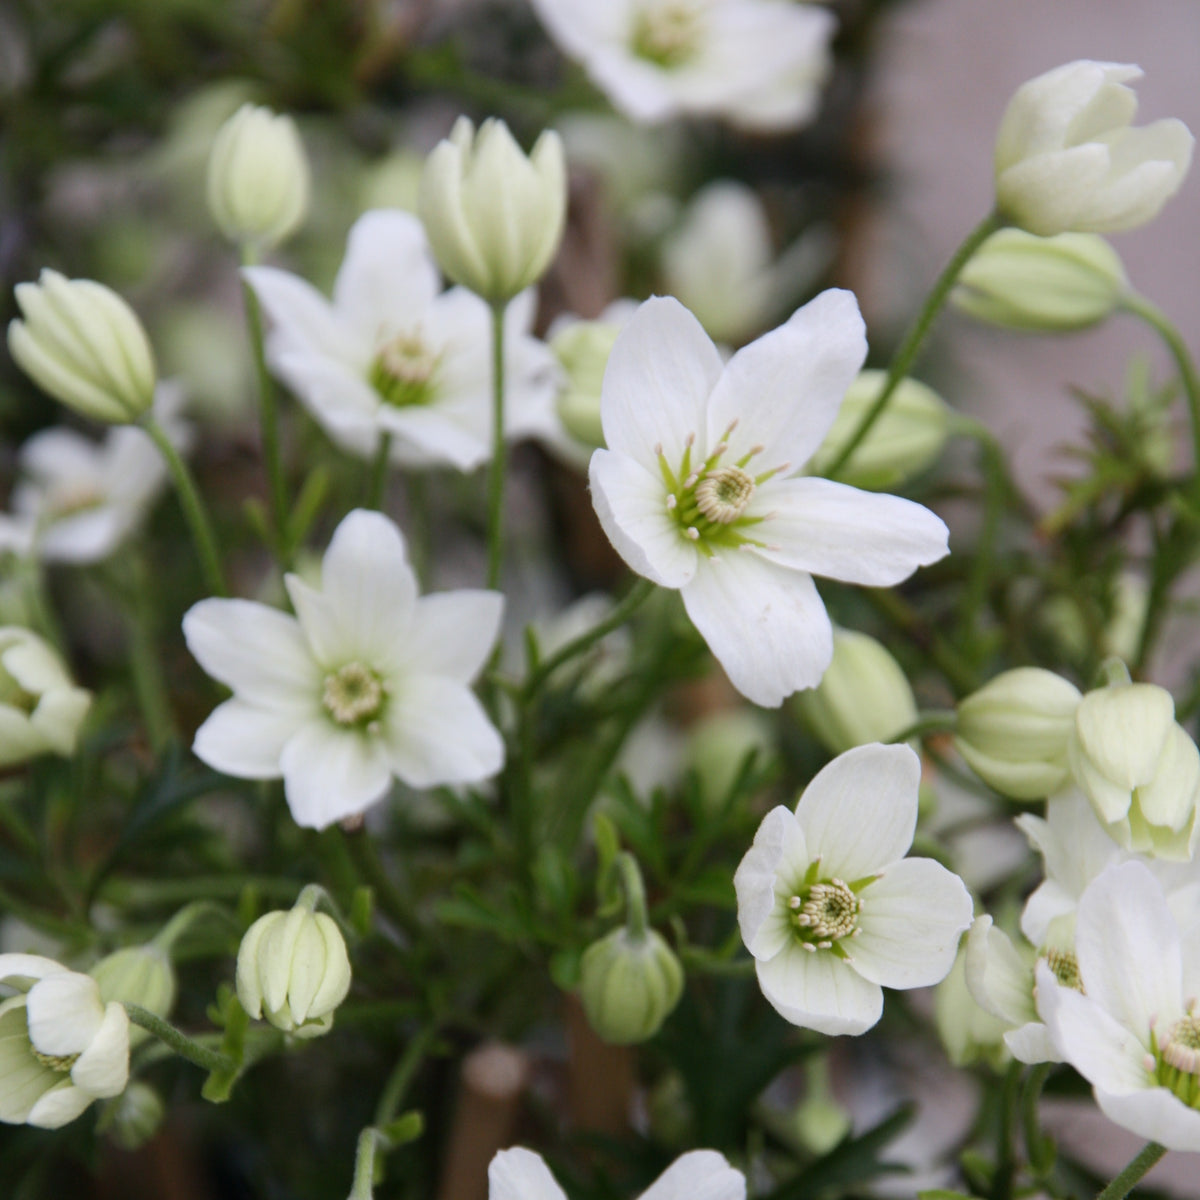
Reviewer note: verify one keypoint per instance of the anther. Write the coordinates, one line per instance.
(692, 532)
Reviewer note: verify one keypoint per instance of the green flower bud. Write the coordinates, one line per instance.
(140, 975)
(41, 709)
(293, 970)
(133, 1117)
(1014, 732)
(629, 985)
(81, 343)
(583, 347)
(862, 697)
(258, 178)
(905, 440)
(1042, 285)
(494, 215)
(717, 746)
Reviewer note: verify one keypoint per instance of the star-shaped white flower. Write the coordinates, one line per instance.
(368, 681)
(699, 488)
(394, 354)
(829, 906)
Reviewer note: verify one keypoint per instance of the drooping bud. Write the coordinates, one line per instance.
(41, 709)
(1014, 732)
(140, 975)
(629, 985)
(583, 347)
(133, 1117)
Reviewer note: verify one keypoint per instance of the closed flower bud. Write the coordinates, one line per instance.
(292, 970)
(863, 697)
(494, 215)
(906, 439)
(583, 347)
(629, 985)
(1014, 732)
(81, 343)
(718, 746)
(1139, 768)
(1068, 159)
(1041, 284)
(258, 178)
(41, 709)
(140, 975)
(134, 1117)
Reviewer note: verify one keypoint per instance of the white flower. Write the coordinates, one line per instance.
(520, 1174)
(41, 709)
(367, 682)
(1133, 1030)
(832, 910)
(698, 489)
(61, 1047)
(395, 355)
(759, 63)
(1068, 160)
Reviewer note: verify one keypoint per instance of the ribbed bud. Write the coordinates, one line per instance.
(629, 985)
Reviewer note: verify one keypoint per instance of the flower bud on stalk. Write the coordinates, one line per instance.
(292, 969)
(629, 985)
(258, 178)
(863, 697)
(41, 710)
(1041, 285)
(494, 216)
(140, 975)
(81, 343)
(1014, 731)
(582, 348)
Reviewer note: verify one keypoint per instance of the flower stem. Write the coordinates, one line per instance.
(183, 920)
(635, 895)
(1039, 1148)
(1124, 1183)
(914, 339)
(184, 1046)
(378, 480)
(193, 508)
(935, 720)
(388, 895)
(268, 413)
(1154, 316)
(495, 526)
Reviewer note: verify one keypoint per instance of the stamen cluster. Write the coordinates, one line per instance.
(666, 34)
(1065, 966)
(1175, 1061)
(403, 370)
(824, 911)
(353, 695)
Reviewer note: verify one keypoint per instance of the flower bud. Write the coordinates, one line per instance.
(967, 1031)
(1014, 731)
(1139, 768)
(258, 178)
(81, 343)
(1043, 285)
(629, 985)
(140, 975)
(583, 347)
(905, 440)
(41, 710)
(494, 216)
(862, 697)
(133, 1117)
(718, 745)
(292, 969)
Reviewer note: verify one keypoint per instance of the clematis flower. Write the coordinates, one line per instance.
(41, 709)
(520, 1174)
(829, 906)
(367, 682)
(1132, 1030)
(697, 489)
(395, 355)
(61, 1047)
(759, 63)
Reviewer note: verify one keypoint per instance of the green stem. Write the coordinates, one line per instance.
(378, 480)
(184, 1046)
(941, 720)
(1124, 1183)
(1006, 1164)
(914, 339)
(635, 895)
(402, 1075)
(495, 526)
(183, 920)
(145, 661)
(387, 894)
(1139, 306)
(268, 413)
(1039, 1149)
(193, 508)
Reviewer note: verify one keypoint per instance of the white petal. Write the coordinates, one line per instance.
(784, 389)
(778, 855)
(438, 733)
(656, 385)
(58, 1107)
(257, 651)
(331, 773)
(859, 812)
(28, 966)
(246, 741)
(1155, 1114)
(765, 625)
(302, 316)
(999, 979)
(103, 1068)
(336, 393)
(1032, 1044)
(1128, 948)
(452, 633)
(65, 1013)
(840, 532)
(698, 1175)
(437, 436)
(817, 990)
(911, 921)
(631, 502)
(520, 1174)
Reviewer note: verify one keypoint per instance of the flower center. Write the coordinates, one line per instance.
(1065, 967)
(353, 695)
(62, 1063)
(708, 502)
(1175, 1061)
(403, 371)
(666, 34)
(74, 498)
(824, 911)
